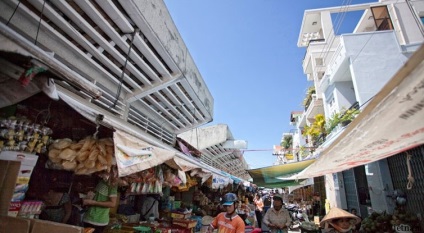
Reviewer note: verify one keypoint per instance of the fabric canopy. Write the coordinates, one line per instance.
(270, 177)
(393, 122)
(304, 183)
(131, 164)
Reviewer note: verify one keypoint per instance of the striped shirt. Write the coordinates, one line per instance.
(96, 215)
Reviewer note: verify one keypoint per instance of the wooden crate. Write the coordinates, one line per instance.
(185, 223)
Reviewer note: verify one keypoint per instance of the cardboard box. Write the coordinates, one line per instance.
(15, 225)
(9, 171)
(184, 223)
(42, 226)
(178, 215)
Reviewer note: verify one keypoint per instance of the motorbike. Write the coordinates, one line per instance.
(297, 215)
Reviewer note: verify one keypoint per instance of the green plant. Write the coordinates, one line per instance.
(344, 118)
(308, 97)
(332, 122)
(287, 141)
(303, 152)
(349, 115)
(317, 128)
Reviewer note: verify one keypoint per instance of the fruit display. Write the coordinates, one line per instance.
(390, 223)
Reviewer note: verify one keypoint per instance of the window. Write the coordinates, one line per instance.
(382, 18)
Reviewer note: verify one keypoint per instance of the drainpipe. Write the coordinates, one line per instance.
(41, 55)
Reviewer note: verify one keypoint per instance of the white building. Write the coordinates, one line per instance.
(122, 59)
(348, 70)
(219, 149)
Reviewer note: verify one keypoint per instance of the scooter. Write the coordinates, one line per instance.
(293, 211)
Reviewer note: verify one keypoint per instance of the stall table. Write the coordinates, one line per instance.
(161, 227)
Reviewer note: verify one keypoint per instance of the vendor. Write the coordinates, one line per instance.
(58, 205)
(105, 197)
(338, 221)
(150, 207)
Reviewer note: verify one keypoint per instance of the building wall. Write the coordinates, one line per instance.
(345, 94)
(406, 19)
(379, 185)
(374, 59)
(156, 14)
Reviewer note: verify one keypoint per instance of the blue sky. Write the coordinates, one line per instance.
(246, 51)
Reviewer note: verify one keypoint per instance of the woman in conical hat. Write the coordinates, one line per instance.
(341, 220)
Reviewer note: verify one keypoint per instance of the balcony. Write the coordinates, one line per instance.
(315, 46)
(315, 107)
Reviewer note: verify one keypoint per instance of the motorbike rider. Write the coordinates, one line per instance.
(228, 221)
(277, 218)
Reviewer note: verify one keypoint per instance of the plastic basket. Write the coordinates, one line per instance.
(143, 229)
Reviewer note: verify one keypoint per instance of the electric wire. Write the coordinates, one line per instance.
(121, 79)
(333, 32)
(39, 22)
(14, 11)
(356, 57)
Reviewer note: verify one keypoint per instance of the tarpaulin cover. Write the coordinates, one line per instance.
(131, 164)
(181, 164)
(220, 181)
(391, 123)
(270, 177)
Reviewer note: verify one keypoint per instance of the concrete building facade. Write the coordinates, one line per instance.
(347, 70)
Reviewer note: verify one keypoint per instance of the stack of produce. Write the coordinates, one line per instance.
(85, 157)
(309, 226)
(383, 222)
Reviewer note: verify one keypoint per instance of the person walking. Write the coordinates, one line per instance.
(339, 221)
(259, 207)
(277, 218)
(228, 221)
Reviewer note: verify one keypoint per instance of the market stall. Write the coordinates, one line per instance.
(67, 149)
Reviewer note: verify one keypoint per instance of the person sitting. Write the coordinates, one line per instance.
(58, 206)
(339, 221)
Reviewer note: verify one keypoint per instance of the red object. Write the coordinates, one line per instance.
(250, 229)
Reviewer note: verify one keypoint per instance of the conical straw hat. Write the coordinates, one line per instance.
(339, 213)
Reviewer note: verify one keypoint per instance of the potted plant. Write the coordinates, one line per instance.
(332, 122)
(317, 129)
(348, 116)
(308, 98)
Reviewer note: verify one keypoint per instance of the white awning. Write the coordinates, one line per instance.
(90, 111)
(392, 122)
